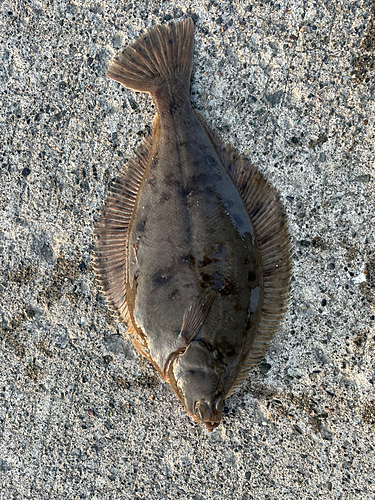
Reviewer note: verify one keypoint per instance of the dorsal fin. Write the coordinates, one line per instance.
(270, 225)
(112, 227)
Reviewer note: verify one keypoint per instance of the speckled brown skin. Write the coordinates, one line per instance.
(193, 235)
(178, 253)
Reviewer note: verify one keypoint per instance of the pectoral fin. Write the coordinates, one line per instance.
(194, 317)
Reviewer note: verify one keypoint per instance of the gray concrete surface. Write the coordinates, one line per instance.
(291, 85)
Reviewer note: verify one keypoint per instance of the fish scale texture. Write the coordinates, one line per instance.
(290, 85)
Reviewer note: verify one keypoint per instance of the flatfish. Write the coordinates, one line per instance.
(192, 247)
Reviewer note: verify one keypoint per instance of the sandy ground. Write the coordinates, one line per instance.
(291, 85)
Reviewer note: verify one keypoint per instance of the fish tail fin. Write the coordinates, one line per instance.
(163, 55)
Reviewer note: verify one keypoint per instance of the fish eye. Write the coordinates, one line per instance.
(219, 405)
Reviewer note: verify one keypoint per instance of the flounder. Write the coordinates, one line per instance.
(192, 246)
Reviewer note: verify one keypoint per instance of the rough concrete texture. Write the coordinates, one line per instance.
(291, 85)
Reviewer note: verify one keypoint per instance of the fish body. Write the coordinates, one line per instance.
(179, 252)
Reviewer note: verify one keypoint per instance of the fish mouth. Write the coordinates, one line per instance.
(209, 414)
(210, 426)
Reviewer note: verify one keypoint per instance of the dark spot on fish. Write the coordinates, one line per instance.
(161, 279)
(251, 276)
(199, 179)
(227, 288)
(165, 197)
(173, 294)
(227, 348)
(189, 259)
(206, 261)
(184, 192)
(141, 226)
(207, 278)
(224, 291)
(170, 180)
(219, 249)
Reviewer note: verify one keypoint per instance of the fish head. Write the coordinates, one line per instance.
(195, 376)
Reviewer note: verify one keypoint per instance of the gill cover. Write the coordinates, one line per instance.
(196, 377)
